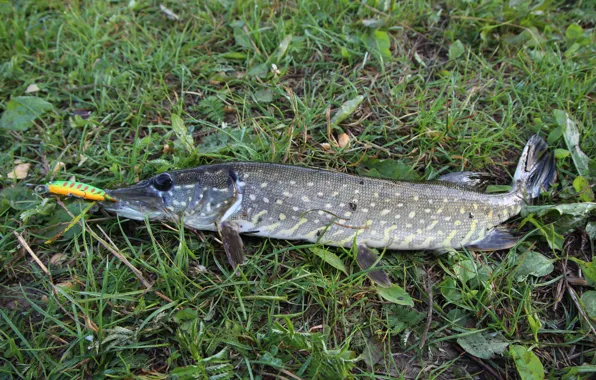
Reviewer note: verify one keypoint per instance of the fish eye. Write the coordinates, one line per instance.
(163, 182)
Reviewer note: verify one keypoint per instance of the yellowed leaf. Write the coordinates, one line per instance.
(59, 166)
(20, 171)
(56, 259)
(343, 140)
(326, 146)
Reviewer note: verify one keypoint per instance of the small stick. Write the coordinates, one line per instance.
(429, 314)
(28, 249)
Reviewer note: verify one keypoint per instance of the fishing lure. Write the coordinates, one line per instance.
(76, 189)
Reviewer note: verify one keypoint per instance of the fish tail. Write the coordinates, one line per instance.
(536, 169)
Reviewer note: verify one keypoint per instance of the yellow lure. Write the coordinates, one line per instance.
(77, 189)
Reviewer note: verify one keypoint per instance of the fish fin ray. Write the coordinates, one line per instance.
(472, 180)
(496, 239)
(536, 169)
(232, 242)
(367, 259)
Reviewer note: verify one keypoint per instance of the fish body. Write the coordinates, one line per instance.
(337, 209)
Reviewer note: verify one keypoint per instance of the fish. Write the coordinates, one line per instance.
(315, 205)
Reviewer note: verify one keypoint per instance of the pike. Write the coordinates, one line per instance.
(296, 203)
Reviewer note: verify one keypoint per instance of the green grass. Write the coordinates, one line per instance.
(431, 106)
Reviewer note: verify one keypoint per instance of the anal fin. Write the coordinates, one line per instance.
(497, 239)
(367, 259)
(473, 180)
(232, 242)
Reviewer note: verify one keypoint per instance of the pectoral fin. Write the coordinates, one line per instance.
(495, 240)
(367, 259)
(232, 243)
(473, 180)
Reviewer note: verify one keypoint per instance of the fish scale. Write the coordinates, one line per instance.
(289, 202)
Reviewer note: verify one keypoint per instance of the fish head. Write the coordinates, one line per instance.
(202, 195)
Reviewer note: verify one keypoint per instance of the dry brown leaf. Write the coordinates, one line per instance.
(59, 166)
(20, 171)
(326, 146)
(343, 140)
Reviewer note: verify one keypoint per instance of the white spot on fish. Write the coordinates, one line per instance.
(419, 231)
(447, 218)
(409, 225)
(305, 199)
(317, 221)
(364, 210)
(385, 212)
(445, 200)
(320, 194)
(252, 197)
(416, 197)
(310, 184)
(335, 194)
(462, 210)
(295, 208)
(427, 210)
(279, 202)
(357, 192)
(328, 205)
(282, 217)
(412, 214)
(342, 205)
(376, 195)
(383, 222)
(320, 212)
(373, 204)
(189, 186)
(373, 232)
(457, 222)
(400, 205)
(292, 182)
(266, 200)
(287, 194)
(347, 214)
(430, 201)
(397, 216)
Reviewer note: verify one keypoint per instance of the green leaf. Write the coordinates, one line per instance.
(582, 186)
(591, 230)
(264, 95)
(532, 264)
(589, 301)
(283, 46)
(346, 110)
(383, 44)
(330, 258)
(588, 269)
(571, 134)
(21, 111)
(182, 133)
(450, 290)
(561, 153)
(554, 135)
(242, 39)
(483, 345)
(396, 294)
(527, 363)
(388, 169)
(574, 32)
(456, 50)
(465, 270)
(401, 317)
(573, 209)
(233, 55)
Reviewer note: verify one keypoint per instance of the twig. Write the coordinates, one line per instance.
(33, 255)
(429, 314)
(495, 374)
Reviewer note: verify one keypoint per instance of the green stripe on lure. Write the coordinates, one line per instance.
(77, 189)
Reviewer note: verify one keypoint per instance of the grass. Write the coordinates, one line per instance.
(119, 73)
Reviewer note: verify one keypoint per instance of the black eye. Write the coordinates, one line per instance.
(163, 182)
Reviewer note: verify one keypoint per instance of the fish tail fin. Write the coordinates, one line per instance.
(536, 169)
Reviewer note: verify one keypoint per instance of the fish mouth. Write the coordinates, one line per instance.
(136, 202)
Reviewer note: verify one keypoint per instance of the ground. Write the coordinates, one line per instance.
(108, 93)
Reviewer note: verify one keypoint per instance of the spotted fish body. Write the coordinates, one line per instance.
(296, 203)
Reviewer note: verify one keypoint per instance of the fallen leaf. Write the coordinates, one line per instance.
(346, 110)
(56, 259)
(20, 171)
(483, 345)
(343, 140)
(169, 13)
(571, 134)
(326, 146)
(59, 166)
(31, 88)
(21, 111)
(396, 294)
(527, 363)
